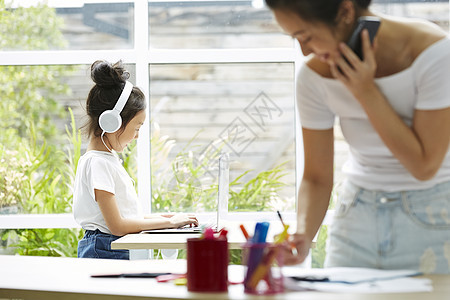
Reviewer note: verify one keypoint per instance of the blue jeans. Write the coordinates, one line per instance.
(96, 244)
(400, 230)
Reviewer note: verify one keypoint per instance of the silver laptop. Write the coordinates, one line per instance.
(222, 203)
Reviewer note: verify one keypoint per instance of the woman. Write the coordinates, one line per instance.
(394, 110)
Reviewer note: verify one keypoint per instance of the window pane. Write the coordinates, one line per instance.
(246, 110)
(213, 24)
(87, 26)
(37, 158)
(436, 11)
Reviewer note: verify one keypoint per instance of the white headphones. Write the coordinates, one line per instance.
(110, 120)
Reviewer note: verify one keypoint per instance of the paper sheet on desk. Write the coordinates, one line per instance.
(357, 280)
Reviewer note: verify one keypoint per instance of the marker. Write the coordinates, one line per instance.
(293, 248)
(223, 233)
(208, 234)
(180, 281)
(256, 249)
(260, 234)
(282, 236)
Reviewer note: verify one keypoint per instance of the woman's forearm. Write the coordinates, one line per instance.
(313, 201)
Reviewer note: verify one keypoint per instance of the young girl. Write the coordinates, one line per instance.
(393, 106)
(105, 200)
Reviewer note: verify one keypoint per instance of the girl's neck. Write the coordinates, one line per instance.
(96, 144)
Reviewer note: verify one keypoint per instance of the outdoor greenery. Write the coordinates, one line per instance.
(38, 161)
(35, 176)
(42, 189)
(319, 251)
(189, 181)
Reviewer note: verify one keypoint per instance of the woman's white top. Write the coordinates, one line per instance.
(425, 85)
(99, 170)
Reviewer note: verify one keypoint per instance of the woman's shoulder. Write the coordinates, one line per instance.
(419, 34)
(400, 41)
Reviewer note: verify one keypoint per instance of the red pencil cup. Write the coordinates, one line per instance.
(207, 265)
(263, 263)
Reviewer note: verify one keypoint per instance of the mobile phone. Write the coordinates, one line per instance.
(371, 24)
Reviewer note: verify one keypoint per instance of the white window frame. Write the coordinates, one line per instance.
(142, 57)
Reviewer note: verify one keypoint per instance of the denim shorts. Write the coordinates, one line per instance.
(384, 230)
(96, 244)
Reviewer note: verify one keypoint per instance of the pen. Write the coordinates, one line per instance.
(244, 231)
(169, 277)
(129, 275)
(281, 218)
(311, 278)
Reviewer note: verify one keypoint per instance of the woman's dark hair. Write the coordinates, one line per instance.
(109, 82)
(324, 11)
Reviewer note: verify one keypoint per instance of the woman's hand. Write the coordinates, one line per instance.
(180, 220)
(296, 249)
(357, 75)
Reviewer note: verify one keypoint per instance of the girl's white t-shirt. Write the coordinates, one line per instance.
(102, 171)
(425, 85)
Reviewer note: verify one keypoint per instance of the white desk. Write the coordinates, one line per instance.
(36, 278)
(178, 241)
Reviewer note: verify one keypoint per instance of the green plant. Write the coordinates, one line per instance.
(319, 251)
(45, 242)
(28, 92)
(74, 139)
(13, 172)
(188, 182)
(30, 28)
(24, 178)
(257, 193)
(43, 179)
(47, 190)
(129, 161)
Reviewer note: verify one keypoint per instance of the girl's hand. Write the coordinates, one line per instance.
(180, 220)
(167, 215)
(296, 249)
(357, 75)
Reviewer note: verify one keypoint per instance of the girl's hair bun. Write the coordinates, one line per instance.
(107, 75)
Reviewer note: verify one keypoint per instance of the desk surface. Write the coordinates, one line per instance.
(178, 241)
(48, 278)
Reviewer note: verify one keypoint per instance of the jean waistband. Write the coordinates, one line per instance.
(88, 232)
(388, 197)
